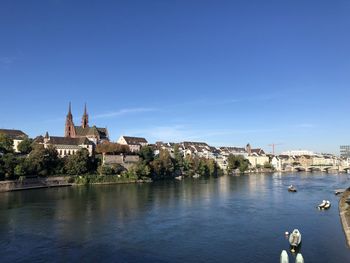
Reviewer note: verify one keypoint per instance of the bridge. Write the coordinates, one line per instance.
(322, 168)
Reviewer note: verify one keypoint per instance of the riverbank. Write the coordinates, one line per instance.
(344, 211)
(34, 183)
(65, 181)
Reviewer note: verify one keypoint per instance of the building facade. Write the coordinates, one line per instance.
(345, 151)
(134, 143)
(65, 146)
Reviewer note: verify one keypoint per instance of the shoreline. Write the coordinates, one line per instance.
(344, 213)
(55, 182)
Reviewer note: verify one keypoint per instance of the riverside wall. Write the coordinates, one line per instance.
(344, 212)
(33, 183)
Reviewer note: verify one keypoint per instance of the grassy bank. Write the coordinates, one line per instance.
(105, 179)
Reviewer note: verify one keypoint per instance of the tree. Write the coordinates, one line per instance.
(268, 165)
(237, 162)
(163, 166)
(147, 154)
(42, 161)
(25, 146)
(8, 163)
(6, 144)
(78, 163)
(112, 148)
(179, 160)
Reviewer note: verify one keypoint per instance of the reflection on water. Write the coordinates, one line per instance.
(229, 219)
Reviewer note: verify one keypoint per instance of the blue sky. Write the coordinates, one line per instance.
(224, 72)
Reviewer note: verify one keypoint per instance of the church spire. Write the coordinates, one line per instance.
(85, 119)
(69, 130)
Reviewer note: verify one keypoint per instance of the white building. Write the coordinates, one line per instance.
(66, 146)
(298, 153)
(134, 143)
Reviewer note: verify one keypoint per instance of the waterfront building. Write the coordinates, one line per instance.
(298, 152)
(65, 146)
(227, 150)
(256, 159)
(345, 151)
(16, 135)
(276, 162)
(94, 134)
(134, 143)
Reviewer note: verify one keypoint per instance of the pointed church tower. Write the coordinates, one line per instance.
(69, 130)
(85, 119)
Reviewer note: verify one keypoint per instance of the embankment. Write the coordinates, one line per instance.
(344, 211)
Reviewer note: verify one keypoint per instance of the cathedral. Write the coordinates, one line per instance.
(93, 133)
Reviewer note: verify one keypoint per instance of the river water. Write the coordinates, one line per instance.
(228, 219)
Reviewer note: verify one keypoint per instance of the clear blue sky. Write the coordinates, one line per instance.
(224, 72)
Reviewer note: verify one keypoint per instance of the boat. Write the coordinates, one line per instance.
(284, 257)
(178, 177)
(299, 258)
(339, 191)
(321, 206)
(291, 188)
(324, 205)
(294, 239)
(196, 176)
(327, 205)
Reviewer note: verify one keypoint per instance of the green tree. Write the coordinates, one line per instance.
(178, 160)
(78, 163)
(147, 154)
(237, 162)
(6, 144)
(25, 146)
(42, 161)
(8, 163)
(163, 166)
(268, 165)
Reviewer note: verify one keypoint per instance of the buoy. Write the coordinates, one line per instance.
(286, 233)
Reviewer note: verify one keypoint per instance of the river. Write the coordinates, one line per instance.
(228, 219)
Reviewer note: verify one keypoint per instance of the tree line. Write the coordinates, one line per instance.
(35, 160)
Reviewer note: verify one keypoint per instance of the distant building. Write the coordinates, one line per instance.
(16, 135)
(65, 146)
(134, 143)
(298, 153)
(345, 151)
(94, 134)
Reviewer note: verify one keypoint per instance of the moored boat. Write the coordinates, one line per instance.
(295, 239)
(291, 188)
(321, 206)
(284, 257)
(299, 258)
(327, 205)
(324, 205)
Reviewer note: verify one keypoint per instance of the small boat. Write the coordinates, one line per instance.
(327, 205)
(339, 191)
(178, 177)
(284, 257)
(321, 206)
(196, 176)
(291, 188)
(324, 205)
(299, 258)
(294, 239)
